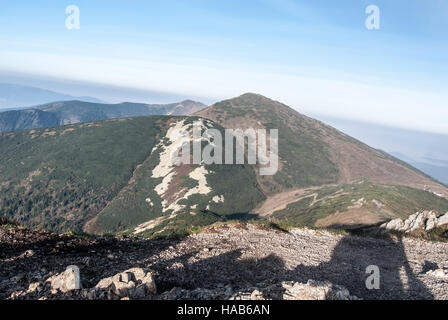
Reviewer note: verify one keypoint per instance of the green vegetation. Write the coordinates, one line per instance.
(399, 200)
(98, 176)
(6, 224)
(305, 160)
(59, 178)
(184, 223)
(437, 234)
(236, 184)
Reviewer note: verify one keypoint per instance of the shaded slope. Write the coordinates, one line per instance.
(58, 178)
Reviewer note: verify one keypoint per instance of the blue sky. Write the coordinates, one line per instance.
(316, 56)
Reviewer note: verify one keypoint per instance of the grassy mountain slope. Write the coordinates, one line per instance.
(311, 152)
(98, 176)
(228, 189)
(316, 158)
(71, 112)
(56, 178)
(357, 205)
(115, 175)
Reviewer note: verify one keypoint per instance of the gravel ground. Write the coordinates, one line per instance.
(239, 257)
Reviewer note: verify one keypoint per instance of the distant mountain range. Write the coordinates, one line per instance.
(18, 96)
(434, 167)
(29, 108)
(114, 175)
(70, 112)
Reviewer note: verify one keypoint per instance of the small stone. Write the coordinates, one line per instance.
(256, 295)
(29, 253)
(438, 273)
(443, 220)
(33, 286)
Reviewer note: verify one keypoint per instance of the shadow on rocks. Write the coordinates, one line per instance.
(347, 267)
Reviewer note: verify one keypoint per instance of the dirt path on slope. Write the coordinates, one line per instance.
(281, 200)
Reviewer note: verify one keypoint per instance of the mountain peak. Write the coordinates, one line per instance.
(308, 147)
(189, 101)
(252, 98)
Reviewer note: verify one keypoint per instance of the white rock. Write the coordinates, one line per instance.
(443, 220)
(396, 224)
(417, 222)
(431, 221)
(67, 281)
(426, 220)
(438, 273)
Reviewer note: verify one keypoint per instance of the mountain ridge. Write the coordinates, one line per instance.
(250, 103)
(328, 159)
(115, 175)
(21, 96)
(76, 111)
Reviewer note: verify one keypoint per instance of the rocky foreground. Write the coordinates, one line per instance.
(225, 262)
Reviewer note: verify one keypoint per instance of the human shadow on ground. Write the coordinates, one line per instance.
(347, 267)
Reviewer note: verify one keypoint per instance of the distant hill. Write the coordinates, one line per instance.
(116, 175)
(434, 167)
(70, 112)
(17, 96)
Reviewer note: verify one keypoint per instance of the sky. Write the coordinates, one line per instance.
(316, 56)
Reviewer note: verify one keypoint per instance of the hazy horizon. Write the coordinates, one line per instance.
(317, 57)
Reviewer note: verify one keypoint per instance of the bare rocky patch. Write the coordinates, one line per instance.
(225, 262)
